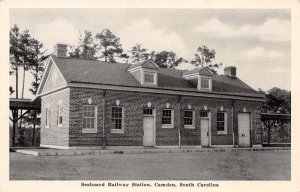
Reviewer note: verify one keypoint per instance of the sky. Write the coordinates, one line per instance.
(257, 42)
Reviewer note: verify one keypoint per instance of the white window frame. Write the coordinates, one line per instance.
(193, 120)
(225, 123)
(209, 82)
(169, 126)
(149, 73)
(122, 130)
(47, 118)
(89, 130)
(59, 114)
(151, 115)
(143, 72)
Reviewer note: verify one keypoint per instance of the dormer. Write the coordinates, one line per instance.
(145, 72)
(202, 77)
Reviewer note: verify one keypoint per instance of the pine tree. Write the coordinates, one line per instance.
(109, 45)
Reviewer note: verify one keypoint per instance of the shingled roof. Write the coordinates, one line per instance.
(105, 73)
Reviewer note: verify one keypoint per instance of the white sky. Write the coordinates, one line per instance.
(257, 42)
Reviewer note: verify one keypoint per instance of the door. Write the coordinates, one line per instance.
(148, 126)
(244, 129)
(204, 132)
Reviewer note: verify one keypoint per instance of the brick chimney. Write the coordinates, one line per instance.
(60, 50)
(230, 71)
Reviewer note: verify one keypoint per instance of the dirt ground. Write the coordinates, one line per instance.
(241, 165)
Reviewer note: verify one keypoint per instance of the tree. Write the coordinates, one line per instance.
(204, 57)
(166, 59)
(38, 56)
(11, 89)
(277, 101)
(138, 54)
(26, 42)
(15, 54)
(109, 45)
(86, 48)
(19, 55)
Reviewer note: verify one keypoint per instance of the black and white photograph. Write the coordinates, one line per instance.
(149, 97)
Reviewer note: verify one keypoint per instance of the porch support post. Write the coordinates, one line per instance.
(232, 106)
(103, 121)
(179, 127)
(15, 125)
(33, 130)
(269, 132)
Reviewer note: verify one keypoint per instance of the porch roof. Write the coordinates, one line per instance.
(25, 104)
(275, 116)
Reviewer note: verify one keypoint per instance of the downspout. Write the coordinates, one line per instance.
(103, 122)
(232, 105)
(179, 127)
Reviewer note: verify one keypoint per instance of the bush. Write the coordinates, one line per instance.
(24, 137)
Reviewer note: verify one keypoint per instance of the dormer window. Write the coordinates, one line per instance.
(201, 76)
(205, 83)
(145, 72)
(149, 77)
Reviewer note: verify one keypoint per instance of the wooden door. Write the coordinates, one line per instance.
(244, 129)
(205, 132)
(148, 126)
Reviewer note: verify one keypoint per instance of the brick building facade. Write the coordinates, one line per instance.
(93, 103)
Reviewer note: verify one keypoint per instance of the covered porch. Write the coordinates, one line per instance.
(19, 108)
(276, 129)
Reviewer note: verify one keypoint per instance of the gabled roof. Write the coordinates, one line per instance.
(150, 64)
(105, 73)
(201, 71)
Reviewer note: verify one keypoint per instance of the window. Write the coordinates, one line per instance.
(203, 114)
(188, 119)
(147, 111)
(59, 116)
(221, 123)
(47, 118)
(117, 119)
(205, 83)
(167, 118)
(89, 119)
(149, 77)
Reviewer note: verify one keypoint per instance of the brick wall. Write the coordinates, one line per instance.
(78, 98)
(213, 106)
(134, 103)
(254, 109)
(54, 135)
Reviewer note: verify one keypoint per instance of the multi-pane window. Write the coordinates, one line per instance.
(89, 117)
(117, 117)
(205, 82)
(149, 77)
(47, 117)
(203, 114)
(147, 111)
(189, 118)
(167, 118)
(221, 122)
(59, 116)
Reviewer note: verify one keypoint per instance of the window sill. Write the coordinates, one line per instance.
(149, 84)
(89, 131)
(60, 125)
(47, 127)
(117, 131)
(189, 126)
(167, 126)
(222, 133)
(204, 89)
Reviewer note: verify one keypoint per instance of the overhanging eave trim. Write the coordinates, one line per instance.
(164, 91)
